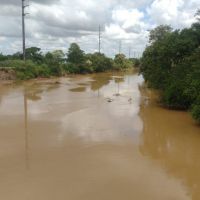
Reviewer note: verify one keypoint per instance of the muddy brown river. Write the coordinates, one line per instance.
(95, 137)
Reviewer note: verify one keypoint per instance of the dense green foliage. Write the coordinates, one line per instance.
(171, 63)
(58, 63)
(27, 70)
(120, 62)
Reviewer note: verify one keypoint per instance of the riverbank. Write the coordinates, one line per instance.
(10, 75)
(7, 75)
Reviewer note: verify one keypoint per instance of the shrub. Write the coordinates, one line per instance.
(171, 63)
(121, 63)
(196, 112)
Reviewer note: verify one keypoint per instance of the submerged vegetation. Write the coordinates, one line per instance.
(57, 63)
(171, 64)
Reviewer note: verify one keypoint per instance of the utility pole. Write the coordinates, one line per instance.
(129, 52)
(99, 39)
(23, 29)
(120, 46)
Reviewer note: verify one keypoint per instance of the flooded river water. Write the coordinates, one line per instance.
(95, 137)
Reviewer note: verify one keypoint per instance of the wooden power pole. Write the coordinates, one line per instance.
(120, 47)
(99, 39)
(129, 52)
(23, 29)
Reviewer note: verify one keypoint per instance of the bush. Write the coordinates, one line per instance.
(27, 70)
(171, 63)
(121, 63)
(100, 62)
(196, 112)
(71, 68)
(174, 96)
(56, 63)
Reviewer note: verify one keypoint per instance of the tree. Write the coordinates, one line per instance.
(159, 33)
(121, 63)
(196, 110)
(171, 63)
(16, 56)
(75, 55)
(54, 60)
(135, 62)
(100, 62)
(197, 15)
(2, 57)
(58, 56)
(34, 54)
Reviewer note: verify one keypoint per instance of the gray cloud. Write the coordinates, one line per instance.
(55, 24)
(18, 2)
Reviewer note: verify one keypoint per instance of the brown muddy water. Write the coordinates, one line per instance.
(95, 137)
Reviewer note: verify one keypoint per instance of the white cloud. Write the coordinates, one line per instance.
(115, 31)
(54, 24)
(127, 18)
(178, 13)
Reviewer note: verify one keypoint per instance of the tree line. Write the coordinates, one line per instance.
(171, 64)
(57, 63)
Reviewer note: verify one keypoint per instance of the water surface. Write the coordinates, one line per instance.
(95, 137)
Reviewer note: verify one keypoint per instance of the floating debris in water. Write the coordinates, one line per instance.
(117, 94)
(109, 100)
(130, 100)
(57, 82)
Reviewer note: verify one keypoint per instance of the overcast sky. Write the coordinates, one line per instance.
(54, 24)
